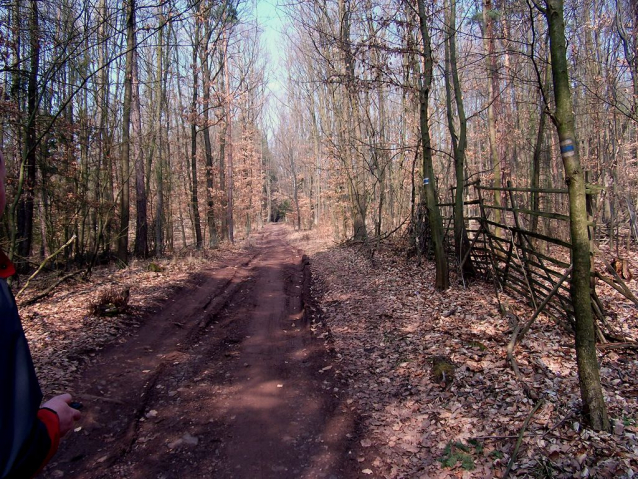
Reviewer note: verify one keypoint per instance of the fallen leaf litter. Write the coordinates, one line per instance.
(386, 323)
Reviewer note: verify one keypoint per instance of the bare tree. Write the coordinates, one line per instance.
(588, 369)
(459, 141)
(429, 190)
(125, 165)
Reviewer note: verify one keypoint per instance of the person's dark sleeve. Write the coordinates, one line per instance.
(29, 436)
(40, 447)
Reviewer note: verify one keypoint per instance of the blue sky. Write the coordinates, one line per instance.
(271, 20)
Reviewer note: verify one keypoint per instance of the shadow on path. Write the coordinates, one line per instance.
(226, 382)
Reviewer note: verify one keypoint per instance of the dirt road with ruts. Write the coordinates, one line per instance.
(226, 381)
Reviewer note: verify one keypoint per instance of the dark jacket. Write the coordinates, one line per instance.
(29, 435)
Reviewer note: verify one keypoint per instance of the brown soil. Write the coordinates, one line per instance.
(225, 381)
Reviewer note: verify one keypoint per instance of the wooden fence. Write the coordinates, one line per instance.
(525, 250)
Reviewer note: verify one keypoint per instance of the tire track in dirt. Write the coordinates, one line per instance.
(226, 382)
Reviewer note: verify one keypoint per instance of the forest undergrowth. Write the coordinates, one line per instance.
(428, 372)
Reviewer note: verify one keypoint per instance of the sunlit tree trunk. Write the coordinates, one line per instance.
(349, 118)
(381, 157)
(194, 195)
(536, 157)
(104, 136)
(125, 167)
(141, 223)
(160, 97)
(206, 83)
(28, 170)
(222, 176)
(268, 165)
(229, 148)
(225, 145)
(317, 178)
(588, 370)
(159, 169)
(459, 141)
(492, 92)
(429, 179)
(16, 95)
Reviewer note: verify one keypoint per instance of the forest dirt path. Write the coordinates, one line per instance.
(226, 381)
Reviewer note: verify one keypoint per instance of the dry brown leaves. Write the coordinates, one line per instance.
(387, 322)
(64, 336)
(621, 314)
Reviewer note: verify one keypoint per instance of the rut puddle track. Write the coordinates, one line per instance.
(225, 382)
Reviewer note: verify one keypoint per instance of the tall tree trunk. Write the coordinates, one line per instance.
(206, 83)
(268, 185)
(141, 223)
(536, 157)
(28, 167)
(588, 370)
(222, 176)
(84, 173)
(381, 157)
(194, 196)
(459, 142)
(429, 179)
(295, 186)
(16, 95)
(160, 96)
(170, 230)
(105, 163)
(316, 149)
(229, 147)
(349, 125)
(492, 92)
(125, 166)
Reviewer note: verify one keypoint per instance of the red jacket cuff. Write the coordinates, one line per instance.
(52, 423)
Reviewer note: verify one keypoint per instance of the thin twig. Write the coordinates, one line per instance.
(567, 417)
(520, 438)
(43, 264)
(510, 356)
(626, 345)
(46, 292)
(100, 398)
(621, 287)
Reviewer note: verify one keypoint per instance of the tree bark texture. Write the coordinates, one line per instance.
(141, 223)
(194, 195)
(206, 84)
(229, 147)
(588, 370)
(429, 180)
(492, 91)
(28, 168)
(125, 166)
(459, 142)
